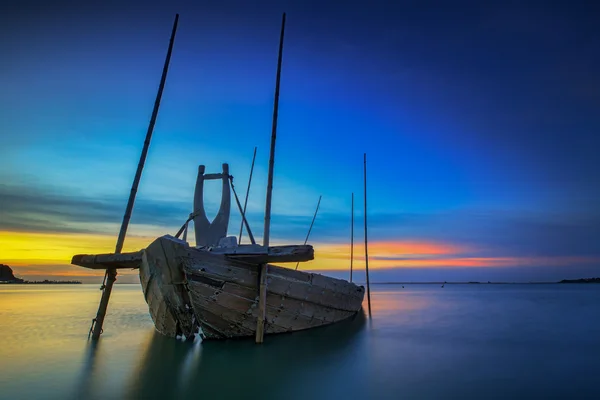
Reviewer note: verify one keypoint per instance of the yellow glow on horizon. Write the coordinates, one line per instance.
(34, 248)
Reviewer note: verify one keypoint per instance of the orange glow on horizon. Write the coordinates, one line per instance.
(335, 263)
(411, 247)
(425, 254)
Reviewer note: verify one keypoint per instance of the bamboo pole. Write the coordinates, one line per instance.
(111, 274)
(273, 138)
(262, 295)
(352, 238)
(366, 242)
(247, 194)
(311, 225)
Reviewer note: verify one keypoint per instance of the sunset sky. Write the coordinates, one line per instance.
(481, 124)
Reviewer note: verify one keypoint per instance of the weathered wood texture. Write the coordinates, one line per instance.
(224, 293)
(164, 286)
(304, 286)
(262, 303)
(110, 260)
(256, 254)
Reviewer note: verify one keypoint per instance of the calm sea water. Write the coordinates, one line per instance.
(423, 341)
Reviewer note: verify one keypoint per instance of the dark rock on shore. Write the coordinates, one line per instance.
(6, 274)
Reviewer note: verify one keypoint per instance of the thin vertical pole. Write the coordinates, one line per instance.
(111, 274)
(366, 242)
(247, 193)
(311, 225)
(264, 268)
(352, 238)
(273, 138)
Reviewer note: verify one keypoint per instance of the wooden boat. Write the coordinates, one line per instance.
(192, 290)
(213, 289)
(219, 289)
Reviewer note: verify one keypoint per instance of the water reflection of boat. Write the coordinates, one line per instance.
(171, 369)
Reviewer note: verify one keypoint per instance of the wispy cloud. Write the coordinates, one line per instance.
(46, 209)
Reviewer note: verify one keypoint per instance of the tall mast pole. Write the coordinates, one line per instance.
(262, 291)
(111, 274)
(273, 138)
(366, 244)
(352, 238)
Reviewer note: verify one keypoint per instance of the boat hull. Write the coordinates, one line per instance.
(193, 291)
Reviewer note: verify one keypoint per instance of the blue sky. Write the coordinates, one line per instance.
(479, 120)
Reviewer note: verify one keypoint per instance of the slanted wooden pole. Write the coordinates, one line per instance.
(111, 274)
(244, 220)
(247, 193)
(311, 225)
(185, 233)
(262, 297)
(273, 139)
(352, 238)
(366, 242)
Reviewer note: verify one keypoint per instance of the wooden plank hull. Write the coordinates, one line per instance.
(190, 290)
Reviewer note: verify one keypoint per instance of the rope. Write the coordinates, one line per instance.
(184, 226)
(196, 213)
(104, 281)
(92, 328)
(311, 226)
(102, 287)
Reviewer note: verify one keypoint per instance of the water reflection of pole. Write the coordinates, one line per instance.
(366, 245)
(83, 389)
